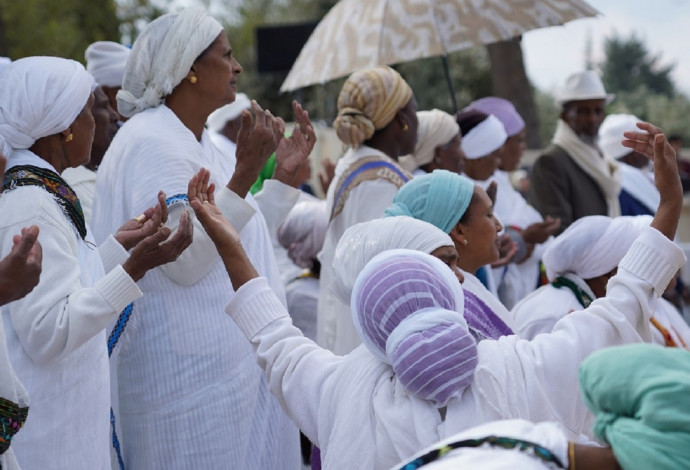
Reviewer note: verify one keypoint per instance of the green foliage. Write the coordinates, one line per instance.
(629, 67)
(64, 28)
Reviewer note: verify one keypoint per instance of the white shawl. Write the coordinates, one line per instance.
(602, 169)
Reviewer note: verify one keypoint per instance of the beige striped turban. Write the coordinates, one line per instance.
(368, 102)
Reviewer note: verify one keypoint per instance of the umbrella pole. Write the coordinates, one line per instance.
(446, 70)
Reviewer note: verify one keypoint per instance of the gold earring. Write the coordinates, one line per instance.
(405, 127)
(193, 79)
(69, 138)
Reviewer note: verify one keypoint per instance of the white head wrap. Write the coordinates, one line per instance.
(363, 241)
(435, 128)
(592, 246)
(611, 134)
(40, 96)
(162, 56)
(216, 121)
(303, 231)
(106, 61)
(484, 138)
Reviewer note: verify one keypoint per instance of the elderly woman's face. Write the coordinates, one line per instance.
(481, 169)
(78, 151)
(217, 71)
(450, 156)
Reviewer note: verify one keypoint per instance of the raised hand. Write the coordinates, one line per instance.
(507, 249)
(293, 152)
(200, 195)
(135, 230)
(541, 231)
(256, 141)
(653, 145)
(154, 250)
(221, 232)
(327, 174)
(20, 270)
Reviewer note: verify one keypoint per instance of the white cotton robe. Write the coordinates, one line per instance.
(190, 392)
(366, 201)
(56, 334)
(359, 414)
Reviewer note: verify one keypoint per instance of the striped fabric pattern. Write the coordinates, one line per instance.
(406, 306)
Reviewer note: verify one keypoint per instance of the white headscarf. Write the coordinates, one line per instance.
(436, 128)
(592, 246)
(303, 231)
(218, 118)
(363, 241)
(162, 56)
(40, 96)
(484, 138)
(106, 61)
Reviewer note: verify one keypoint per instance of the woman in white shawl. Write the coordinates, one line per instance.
(56, 334)
(579, 263)
(358, 409)
(19, 274)
(190, 395)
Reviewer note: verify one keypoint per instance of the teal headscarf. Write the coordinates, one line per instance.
(439, 198)
(640, 394)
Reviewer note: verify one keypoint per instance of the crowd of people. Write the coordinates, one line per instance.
(173, 296)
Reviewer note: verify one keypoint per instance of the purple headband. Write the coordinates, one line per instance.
(504, 110)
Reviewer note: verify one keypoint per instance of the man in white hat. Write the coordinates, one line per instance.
(573, 178)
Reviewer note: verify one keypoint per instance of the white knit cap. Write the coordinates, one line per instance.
(611, 134)
(484, 138)
(436, 128)
(216, 121)
(40, 96)
(592, 246)
(583, 86)
(106, 61)
(162, 56)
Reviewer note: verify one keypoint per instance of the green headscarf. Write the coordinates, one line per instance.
(439, 198)
(640, 394)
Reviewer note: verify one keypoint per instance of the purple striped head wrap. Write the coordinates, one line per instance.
(405, 305)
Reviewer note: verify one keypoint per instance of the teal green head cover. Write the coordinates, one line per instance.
(439, 198)
(640, 394)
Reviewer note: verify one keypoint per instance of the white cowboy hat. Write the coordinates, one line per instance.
(583, 86)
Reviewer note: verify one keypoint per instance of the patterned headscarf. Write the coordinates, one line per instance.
(162, 56)
(368, 102)
(435, 129)
(405, 305)
(440, 198)
(40, 96)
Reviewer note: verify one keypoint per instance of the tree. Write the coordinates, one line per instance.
(629, 67)
(64, 28)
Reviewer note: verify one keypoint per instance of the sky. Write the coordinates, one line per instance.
(551, 54)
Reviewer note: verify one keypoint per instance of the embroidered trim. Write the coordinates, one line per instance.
(176, 199)
(508, 443)
(582, 296)
(367, 169)
(116, 442)
(120, 325)
(29, 175)
(12, 418)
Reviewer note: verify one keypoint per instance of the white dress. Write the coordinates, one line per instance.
(358, 413)
(56, 334)
(190, 393)
(538, 313)
(366, 201)
(83, 181)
